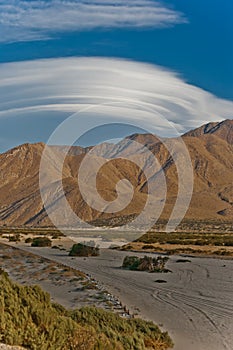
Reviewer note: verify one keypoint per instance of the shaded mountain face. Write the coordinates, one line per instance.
(211, 152)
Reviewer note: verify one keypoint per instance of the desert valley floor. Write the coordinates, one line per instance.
(193, 302)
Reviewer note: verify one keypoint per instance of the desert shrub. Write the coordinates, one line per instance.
(148, 246)
(6, 257)
(28, 240)
(127, 247)
(57, 235)
(80, 249)
(55, 247)
(28, 318)
(147, 263)
(132, 333)
(200, 242)
(228, 243)
(222, 253)
(14, 238)
(41, 242)
(131, 262)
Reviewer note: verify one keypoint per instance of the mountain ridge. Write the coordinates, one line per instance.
(210, 148)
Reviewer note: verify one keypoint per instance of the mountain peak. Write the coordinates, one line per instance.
(223, 130)
(145, 139)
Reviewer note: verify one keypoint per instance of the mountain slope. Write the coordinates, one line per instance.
(223, 130)
(210, 148)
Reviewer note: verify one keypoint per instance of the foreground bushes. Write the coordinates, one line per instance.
(28, 318)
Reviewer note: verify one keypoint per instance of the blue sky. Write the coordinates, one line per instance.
(201, 50)
(191, 38)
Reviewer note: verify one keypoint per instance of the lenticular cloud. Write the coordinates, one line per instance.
(36, 88)
(39, 20)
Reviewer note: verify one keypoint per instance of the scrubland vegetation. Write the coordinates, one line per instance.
(147, 263)
(80, 249)
(41, 242)
(28, 318)
(188, 238)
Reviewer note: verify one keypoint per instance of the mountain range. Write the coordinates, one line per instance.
(210, 148)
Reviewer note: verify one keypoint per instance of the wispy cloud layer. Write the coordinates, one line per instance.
(22, 20)
(36, 95)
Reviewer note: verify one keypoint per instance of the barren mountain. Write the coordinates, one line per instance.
(223, 130)
(211, 152)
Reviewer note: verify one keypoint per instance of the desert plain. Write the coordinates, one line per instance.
(193, 301)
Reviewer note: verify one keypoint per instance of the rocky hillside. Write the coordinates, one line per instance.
(210, 148)
(223, 130)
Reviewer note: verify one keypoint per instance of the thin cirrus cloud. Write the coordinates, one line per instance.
(36, 96)
(22, 20)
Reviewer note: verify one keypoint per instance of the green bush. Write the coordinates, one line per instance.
(131, 262)
(80, 249)
(41, 242)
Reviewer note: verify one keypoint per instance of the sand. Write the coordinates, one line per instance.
(195, 302)
(9, 347)
(67, 286)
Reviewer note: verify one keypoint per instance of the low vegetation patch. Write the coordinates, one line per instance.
(148, 246)
(14, 238)
(41, 242)
(147, 263)
(28, 318)
(6, 257)
(6, 231)
(80, 249)
(188, 238)
(222, 253)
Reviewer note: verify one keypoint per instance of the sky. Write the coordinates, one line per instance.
(173, 57)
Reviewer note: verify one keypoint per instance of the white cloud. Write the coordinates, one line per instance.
(22, 20)
(42, 90)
